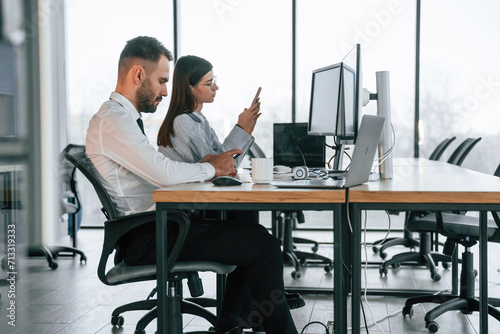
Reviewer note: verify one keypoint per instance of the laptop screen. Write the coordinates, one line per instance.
(292, 146)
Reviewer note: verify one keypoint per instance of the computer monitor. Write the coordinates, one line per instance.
(292, 146)
(336, 99)
(352, 88)
(325, 100)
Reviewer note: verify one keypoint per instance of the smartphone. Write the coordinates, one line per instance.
(256, 96)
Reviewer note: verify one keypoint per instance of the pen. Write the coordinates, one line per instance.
(236, 155)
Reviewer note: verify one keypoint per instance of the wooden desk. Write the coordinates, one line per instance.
(420, 184)
(206, 196)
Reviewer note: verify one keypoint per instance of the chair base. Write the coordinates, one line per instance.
(53, 252)
(423, 257)
(299, 259)
(449, 303)
(465, 302)
(315, 244)
(177, 306)
(296, 258)
(407, 242)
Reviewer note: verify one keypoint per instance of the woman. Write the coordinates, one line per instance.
(185, 134)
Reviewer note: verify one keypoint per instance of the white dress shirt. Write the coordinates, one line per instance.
(124, 158)
(194, 138)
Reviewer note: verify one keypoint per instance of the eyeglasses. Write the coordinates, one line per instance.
(211, 84)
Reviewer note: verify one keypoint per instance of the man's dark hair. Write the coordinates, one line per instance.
(146, 50)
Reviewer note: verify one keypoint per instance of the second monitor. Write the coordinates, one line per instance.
(292, 146)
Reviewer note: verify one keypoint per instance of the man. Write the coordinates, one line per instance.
(132, 168)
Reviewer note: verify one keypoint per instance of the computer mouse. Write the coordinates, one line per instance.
(226, 181)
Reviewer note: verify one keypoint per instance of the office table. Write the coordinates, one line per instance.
(206, 196)
(420, 184)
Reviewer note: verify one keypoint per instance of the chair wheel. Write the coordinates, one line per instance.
(53, 265)
(433, 327)
(328, 269)
(436, 277)
(383, 271)
(396, 265)
(383, 255)
(140, 332)
(407, 311)
(295, 274)
(117, 321)
(446, 265)
(375, 249)
(83, 259)
(314, 248)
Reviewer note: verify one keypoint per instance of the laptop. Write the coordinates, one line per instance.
(292, 146)
(361, 163)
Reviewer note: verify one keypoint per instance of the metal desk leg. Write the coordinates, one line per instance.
(340, 294)
(161, 270)
(483, 272)
(355, 215)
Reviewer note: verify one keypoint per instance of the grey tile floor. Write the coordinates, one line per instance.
(71, 299)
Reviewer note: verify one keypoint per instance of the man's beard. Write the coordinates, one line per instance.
(146, 98)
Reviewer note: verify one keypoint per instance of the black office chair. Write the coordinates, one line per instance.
(458, 156)
(69, 203)
(116, 227)
(439, 150)
(283, 223)
(425, 256)
(465, 231)
(407, 240)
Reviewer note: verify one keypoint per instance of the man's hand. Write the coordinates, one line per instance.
(248, 118)
(208, 158)
(223, 163)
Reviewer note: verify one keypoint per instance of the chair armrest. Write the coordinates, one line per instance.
(182, 220)
(116, 228)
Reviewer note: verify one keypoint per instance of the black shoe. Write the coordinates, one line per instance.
(294, 300)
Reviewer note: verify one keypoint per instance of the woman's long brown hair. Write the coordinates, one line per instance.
(189, 70)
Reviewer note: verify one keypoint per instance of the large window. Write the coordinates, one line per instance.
(96, 34)
(327, 30)
(249, 45)
(460, 78)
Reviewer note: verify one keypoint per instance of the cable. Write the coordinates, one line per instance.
(302, 154)
(389, 151)
(381, 241)
(366, 276)
(333, 156)
(315, 322)
(347, 209)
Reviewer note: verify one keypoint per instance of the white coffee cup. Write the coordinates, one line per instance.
(262, 170)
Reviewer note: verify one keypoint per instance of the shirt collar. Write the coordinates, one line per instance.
(126, 104)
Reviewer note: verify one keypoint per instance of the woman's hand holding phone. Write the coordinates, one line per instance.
(256, 98)
(248, 118)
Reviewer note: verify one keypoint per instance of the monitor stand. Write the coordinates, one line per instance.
(338, 159)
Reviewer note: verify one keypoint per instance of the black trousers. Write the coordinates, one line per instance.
(258, 276)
